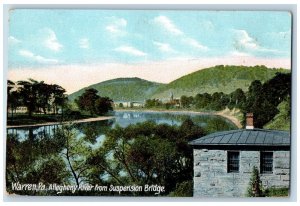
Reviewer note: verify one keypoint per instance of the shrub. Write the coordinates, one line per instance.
(183, 189)
(255, 187)
(277, 192)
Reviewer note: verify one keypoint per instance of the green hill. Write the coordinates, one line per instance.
(282, 120)
(126, 89)
(216, 79)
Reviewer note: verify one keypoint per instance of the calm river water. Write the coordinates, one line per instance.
(124, 118)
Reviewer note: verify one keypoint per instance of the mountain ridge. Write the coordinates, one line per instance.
(122, 89)
(219, 78)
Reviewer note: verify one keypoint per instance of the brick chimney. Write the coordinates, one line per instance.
(249, 121)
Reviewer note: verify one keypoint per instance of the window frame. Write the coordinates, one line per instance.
(229, 164)
(263, 163)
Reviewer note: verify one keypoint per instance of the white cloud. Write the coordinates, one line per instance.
(166, 23)
(194, 43)
(37, 58)
(117, 26)
(51, 41)
(130, 50)
(84, 43)
(244, 43)
(164, 47)
(13, 40)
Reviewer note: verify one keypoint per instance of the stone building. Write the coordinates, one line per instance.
(223, 161)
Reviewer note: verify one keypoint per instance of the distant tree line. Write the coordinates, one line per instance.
(261, 99)
(40, 97)
(153, 103)
(36, 96)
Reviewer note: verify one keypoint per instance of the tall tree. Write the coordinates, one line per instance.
(91, 102)
(28, 93)
(75, 153)
(13, 98)
(103, 105)
(278, 88)
(59, 97)
(87, 100)
(185, 101)
(202, 100)
(43, 98)
(237, 98)
(263, 99)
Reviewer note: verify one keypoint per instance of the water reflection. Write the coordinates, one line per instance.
(93, 130)
(37, 154)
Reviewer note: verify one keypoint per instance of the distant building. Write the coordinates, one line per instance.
(223, 161)
(129, 104)
(138, 104)
(173, 102)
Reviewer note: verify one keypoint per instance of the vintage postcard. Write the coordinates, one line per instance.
(160, 103)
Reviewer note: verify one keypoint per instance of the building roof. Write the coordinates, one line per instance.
(245, 137)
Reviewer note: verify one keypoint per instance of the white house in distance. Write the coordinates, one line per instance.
(223, 161)
(129, 104)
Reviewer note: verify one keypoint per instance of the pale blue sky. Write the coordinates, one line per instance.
(41, 38)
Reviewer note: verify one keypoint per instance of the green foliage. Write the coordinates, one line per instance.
(75, 153)
(35, 96)
(263, 99)
(255, 186)
(91, 102)
(277, 192)
(122, 89)
(184, 189)
(202, 100)
(150, 103)
(214, 125)
(34, 160)
(237, 99)
(186, 102)
(220, 78)
(148, 153)
(103, 105)
(87, 101)
(96, 153)
(282, 121)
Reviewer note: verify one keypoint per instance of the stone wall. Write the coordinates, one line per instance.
(212, 180)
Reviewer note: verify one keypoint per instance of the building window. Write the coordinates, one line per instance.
(266, 162)
(233, 161)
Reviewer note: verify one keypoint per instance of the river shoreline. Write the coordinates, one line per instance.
(94, 119)
(232, 118)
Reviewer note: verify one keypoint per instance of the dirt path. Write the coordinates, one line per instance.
(231, 118)
(66, 122)
(224, 114)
